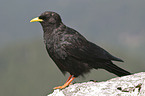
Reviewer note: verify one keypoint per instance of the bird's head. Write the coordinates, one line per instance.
(48, 18)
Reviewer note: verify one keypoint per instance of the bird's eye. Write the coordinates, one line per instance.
(42, 17)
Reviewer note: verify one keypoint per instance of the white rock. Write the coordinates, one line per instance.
(131, 85)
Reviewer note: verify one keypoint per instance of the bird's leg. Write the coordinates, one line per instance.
(66, 84)
(69, 78)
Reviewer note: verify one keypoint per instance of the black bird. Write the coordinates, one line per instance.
(71, 51)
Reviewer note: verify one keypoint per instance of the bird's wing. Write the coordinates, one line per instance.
(86, 51)
(78, 47)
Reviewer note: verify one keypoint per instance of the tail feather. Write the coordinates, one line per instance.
(111, 57)
(115, 69)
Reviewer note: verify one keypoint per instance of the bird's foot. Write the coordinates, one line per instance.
(63, 86)
(59, 87)
(66, 84)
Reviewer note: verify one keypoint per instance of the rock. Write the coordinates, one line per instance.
(131, 85)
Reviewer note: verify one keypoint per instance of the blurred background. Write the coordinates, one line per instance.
(25, 67)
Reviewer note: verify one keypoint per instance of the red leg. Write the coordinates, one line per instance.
(66, 84)
(69, 78)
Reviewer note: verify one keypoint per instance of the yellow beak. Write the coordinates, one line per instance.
(36, 20)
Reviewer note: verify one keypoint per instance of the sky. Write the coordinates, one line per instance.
(97, 19)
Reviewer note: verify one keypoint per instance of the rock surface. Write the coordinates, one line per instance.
(132, 85)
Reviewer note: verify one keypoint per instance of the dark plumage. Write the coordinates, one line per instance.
(71, 51)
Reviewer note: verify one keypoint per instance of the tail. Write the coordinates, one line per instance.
(111, 57)
(115, 69)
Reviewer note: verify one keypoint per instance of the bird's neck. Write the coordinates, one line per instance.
(52, 30)
(48, 29)
(49, 33)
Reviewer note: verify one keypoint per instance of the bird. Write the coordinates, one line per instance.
(71, 51)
